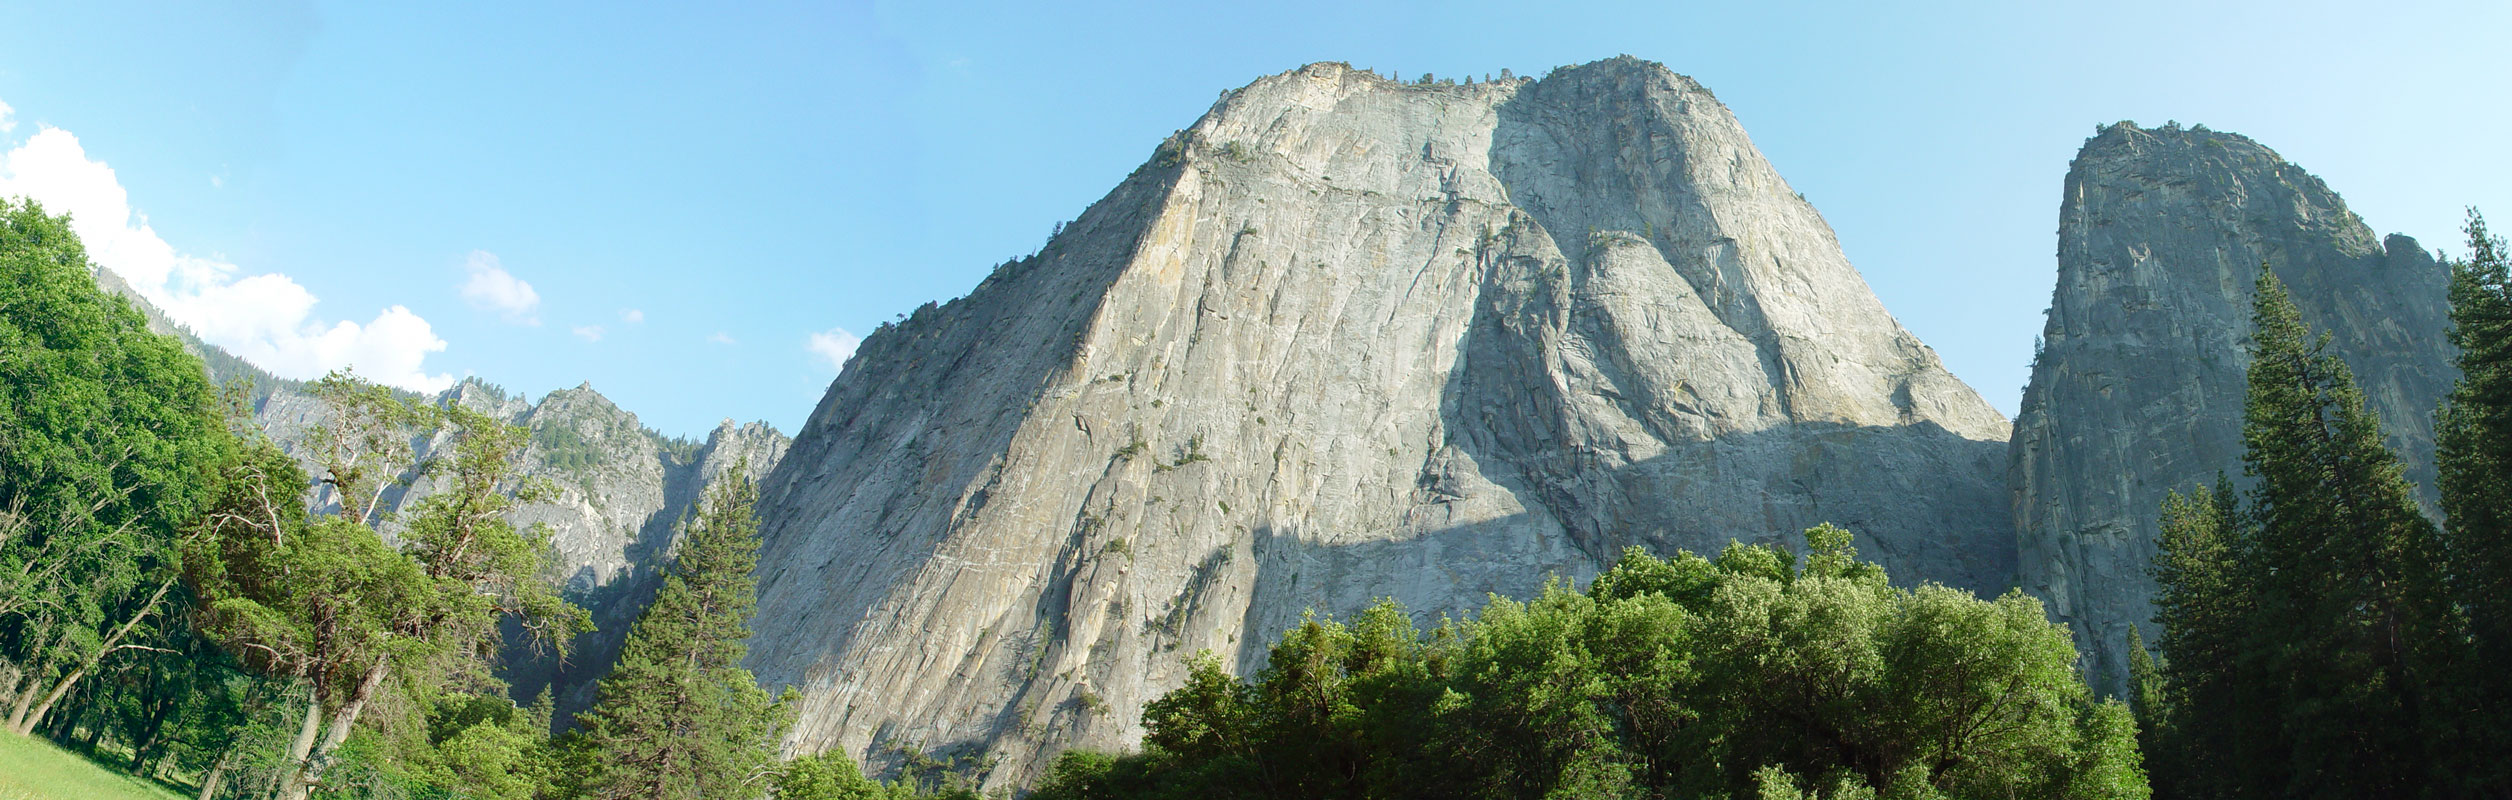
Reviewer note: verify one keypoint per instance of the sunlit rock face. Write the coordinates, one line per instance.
(2137, 391)
(1347, 338)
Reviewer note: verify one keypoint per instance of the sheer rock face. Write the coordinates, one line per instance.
(2138, 389)
(1343, 339)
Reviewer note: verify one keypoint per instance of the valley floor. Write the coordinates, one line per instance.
(33, 769)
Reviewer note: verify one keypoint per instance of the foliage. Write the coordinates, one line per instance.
(109, 438)
(2307, 630)
(834, 776)
(678, 716)
(323, 598)
(1741, 676)
(2473, 438)
(456, 744)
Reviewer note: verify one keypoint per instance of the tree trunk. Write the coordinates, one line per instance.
(28, 723)
(95, 732)
(12, 681)
(217, 774)
(310, 769)
(17, 709)
(20, 682)
(145, 739)
(296, 786)
(35, 717)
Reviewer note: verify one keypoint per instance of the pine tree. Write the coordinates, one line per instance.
(2473, 453)
(678, 718)
(2349, 625)
(2203, 603)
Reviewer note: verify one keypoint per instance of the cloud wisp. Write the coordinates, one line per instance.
(834, 346)
(490, 287)
(632, 316)
(590, 333)
(268, 318)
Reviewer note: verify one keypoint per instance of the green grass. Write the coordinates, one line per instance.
(33, 769)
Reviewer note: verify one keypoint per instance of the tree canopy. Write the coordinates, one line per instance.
(1746, 675)
(2311, 642)
(110, 438)
(678, 717)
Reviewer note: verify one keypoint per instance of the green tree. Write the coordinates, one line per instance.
(472, 743)
(2307, 634)
(323, 598)
(109, 441)
(678, 716)
(830, 776)
(2473, 454)
(2207, 681)
(1747, 675)
(2145, 694)
(2350, 626)
(172, 698)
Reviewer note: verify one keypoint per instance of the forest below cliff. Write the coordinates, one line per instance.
(184, 600)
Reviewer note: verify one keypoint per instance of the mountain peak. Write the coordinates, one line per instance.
(1346, 338)
(2162, 232)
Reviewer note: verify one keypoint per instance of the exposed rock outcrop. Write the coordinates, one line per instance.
(620, 491)
(1347, 338)
(2138, 387)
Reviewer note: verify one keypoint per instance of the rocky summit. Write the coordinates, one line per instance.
(1347, 338)
(2137, 390)
(620, 490)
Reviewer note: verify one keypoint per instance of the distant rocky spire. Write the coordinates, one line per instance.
(2138, 389)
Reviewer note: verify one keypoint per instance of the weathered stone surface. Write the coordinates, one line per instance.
(1347, 338)
(2138, 388)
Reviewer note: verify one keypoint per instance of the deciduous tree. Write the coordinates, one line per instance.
(109, 440)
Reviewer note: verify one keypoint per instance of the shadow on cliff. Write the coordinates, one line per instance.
(1924, 519)
(614, 607)
(1550, 404)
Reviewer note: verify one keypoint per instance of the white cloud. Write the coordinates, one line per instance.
(492, 288)
(631, 316)
(267, 319)
(590, 333)
(721, 337)
(835, 345)
(7, 121)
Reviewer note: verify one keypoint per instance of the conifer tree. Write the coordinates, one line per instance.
(2473, 453)
(678, 718)
(2349, 624)
(2204, 603)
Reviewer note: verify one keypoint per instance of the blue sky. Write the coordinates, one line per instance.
(742, 179)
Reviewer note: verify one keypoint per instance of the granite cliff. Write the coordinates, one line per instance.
(2137, 390)
(1346, 338)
